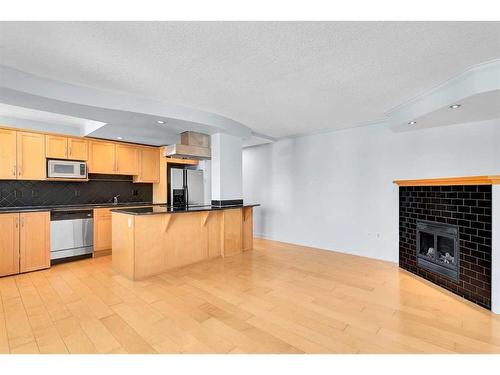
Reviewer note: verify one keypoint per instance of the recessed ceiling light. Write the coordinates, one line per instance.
(455, 106)
(412, 123)
(160, 122)
(119, 138)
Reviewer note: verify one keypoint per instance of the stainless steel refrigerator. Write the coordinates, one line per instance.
(185, 186)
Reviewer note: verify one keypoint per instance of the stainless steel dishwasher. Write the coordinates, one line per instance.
(71, 235)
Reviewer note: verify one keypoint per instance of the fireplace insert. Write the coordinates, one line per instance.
(437, 248)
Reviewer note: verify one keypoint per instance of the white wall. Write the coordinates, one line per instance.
(226, 164)
(334, 190)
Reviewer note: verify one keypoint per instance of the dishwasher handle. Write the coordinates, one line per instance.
(71, 215)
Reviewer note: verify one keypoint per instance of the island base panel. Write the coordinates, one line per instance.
(146, 245)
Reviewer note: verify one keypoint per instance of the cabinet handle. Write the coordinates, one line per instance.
(22, 221)
(17, 222)
(14, 170)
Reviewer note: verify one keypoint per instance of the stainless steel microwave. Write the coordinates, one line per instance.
(67, 169)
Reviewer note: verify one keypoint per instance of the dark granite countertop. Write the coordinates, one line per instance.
(164, 209)
(74, 207)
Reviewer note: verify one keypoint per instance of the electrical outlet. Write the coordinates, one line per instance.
(135, 192)
(34, 193)
(77, 193)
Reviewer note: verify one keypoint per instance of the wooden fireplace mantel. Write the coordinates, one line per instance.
(446, 181)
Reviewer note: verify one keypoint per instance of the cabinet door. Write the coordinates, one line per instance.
(34, 241)
(102, 157)
(149, 166)
(30, 156)
(232, 222)
(8, 154)
(56, 147)
(127, 159)
(102, 229)
(9, 244)
(78, 149)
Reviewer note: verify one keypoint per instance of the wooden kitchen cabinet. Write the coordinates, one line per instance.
(102, 157)
(9, 244)
(78, 149)
(56, 147)
(232, 221)
(8, 169)
(34, 244)
(247, 228)
(24, 242)
(113, 158)
(31, 156)
(102, 231)
(59, 147)
(149, 166)
(127, 159)
(23, 156)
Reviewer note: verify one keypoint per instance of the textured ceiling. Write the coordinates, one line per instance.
(279, 78)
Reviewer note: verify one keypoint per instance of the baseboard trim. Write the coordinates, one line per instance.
(358, 254)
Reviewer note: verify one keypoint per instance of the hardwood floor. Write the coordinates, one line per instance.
(278, 298)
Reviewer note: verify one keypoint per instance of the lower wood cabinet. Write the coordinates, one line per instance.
(34, 244)
(247, 228)
(9, 244)
(102, 231)
(24, 242)
(232, 220)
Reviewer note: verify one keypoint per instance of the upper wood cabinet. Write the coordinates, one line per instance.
(34, 249)
(102, 157)
(127, 159)
(113, 158)
(8, 169)
(9, 244)
(78, 149)
(31, 156)
(56, 147)
(23, 156)
(149, 165)
(59, 147)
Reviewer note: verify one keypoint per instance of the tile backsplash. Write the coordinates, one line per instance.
(100, 189)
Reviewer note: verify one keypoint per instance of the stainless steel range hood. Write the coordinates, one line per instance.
(193, 146)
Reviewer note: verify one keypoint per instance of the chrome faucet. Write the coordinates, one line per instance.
(115, 199)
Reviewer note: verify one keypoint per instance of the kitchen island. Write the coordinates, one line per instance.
(151, 240)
